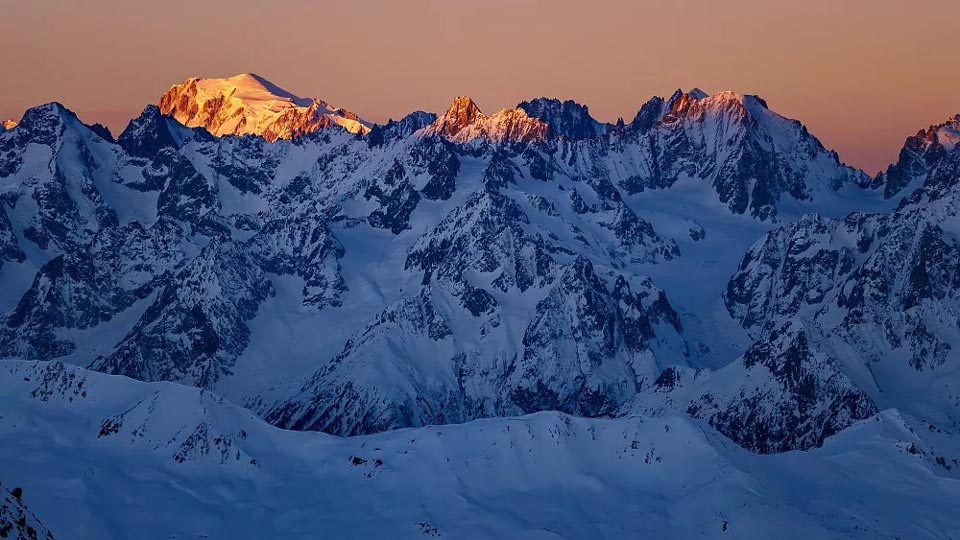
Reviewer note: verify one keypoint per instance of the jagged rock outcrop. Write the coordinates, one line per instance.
(397, 129)
(654, 109)
(921, 155)
(464, 122)
(568, 119)
(17, 522)
(781, 395)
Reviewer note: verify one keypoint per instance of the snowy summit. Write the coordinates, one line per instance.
(249, 104)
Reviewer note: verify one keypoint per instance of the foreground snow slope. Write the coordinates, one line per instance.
(107, 457)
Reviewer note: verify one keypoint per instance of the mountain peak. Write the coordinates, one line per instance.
(464, 103)
(683, 103)
(146, 134)
(53, 108)
(461, 113)
(696, 102)
(464, 122)
(921, 154)
(948, 133)
(250, 104)
(567, 119)
(49, 118)
(657, 107)
(404, 127)
(253, 83)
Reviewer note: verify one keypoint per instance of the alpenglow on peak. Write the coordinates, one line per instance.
(249, 104)
(464, 122)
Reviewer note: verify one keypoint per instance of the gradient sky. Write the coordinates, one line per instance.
(862, 75)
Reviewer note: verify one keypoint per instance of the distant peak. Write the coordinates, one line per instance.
(254, 81)
(567, 119)
(656, 108)
(250, 104)
(404, 127)
(464, 122)
(45, 123)
(52, 107)
(696, 101)
(49, 111)
(952, 122)
(462, 113)
(250, 77)
(252, 84)
(102, 131)
(684, 102)
(727, 95)
(946, 134)
(146, 134)
(554, 104)
(464, 107)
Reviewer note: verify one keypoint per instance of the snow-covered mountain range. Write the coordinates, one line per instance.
(708, 266)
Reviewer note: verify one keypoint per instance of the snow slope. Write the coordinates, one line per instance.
(158, 460)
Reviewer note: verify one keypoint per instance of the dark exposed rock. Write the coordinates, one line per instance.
(17, 522)
(568, 119)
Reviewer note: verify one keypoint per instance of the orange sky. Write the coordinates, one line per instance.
(862, 75)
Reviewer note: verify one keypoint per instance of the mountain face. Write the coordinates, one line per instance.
(876, 289)
(586, 350)
(921, 155)
(395, 129)
(782, 394)
(249, 104)
(568, 119)
(657, 107)
(53, 197)
(213, 465)
(751, 156)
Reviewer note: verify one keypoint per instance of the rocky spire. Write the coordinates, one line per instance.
(464, 122)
